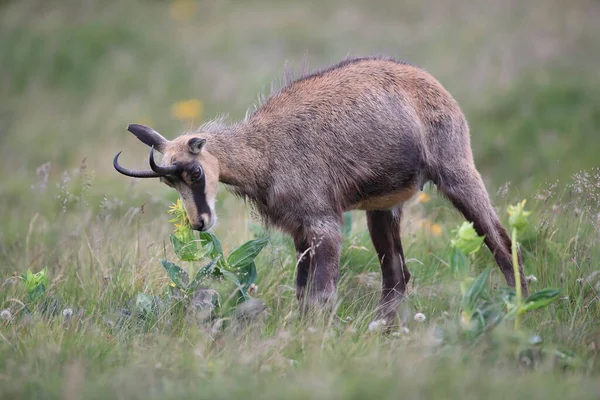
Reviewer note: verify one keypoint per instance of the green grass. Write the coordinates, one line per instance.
(73, 75)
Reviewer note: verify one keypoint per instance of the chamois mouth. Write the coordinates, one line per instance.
(199, 227)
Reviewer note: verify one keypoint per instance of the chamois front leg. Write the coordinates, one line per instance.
(318, 253)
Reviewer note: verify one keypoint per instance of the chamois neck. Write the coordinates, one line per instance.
(240, 163)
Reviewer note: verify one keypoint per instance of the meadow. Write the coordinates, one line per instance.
(104, 319)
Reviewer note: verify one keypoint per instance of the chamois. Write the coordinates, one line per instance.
(364, 134)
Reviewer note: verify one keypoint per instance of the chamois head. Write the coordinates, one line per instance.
(187, 167)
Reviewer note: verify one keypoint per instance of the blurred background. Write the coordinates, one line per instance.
(73, 74)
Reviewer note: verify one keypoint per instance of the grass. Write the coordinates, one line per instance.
(73, 75)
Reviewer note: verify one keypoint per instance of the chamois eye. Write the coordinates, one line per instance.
(197, 174)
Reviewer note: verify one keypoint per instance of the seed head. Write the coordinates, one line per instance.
(377, 325)
(531, 278)
(420, 317)
(6, 315)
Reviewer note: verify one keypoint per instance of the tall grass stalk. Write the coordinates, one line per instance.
(515, 262)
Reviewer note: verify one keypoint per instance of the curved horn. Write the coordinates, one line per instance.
(171, 169)
(133, 174)
(148, 136)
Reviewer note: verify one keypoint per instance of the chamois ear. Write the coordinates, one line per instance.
(196, 145)
(148, 136)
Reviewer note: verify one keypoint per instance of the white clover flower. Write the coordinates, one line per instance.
(67, 312)
(531, 278)
(377, 325)
(420, 317)
(535, 339)
(6, 314)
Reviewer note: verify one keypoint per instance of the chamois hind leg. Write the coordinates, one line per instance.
(465, 189)
(384, 228)
(318, 249)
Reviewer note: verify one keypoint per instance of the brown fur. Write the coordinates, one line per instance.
(364, 134)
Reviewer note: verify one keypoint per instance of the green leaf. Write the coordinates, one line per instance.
(541, 299)
(508, 296)
(186, 251)
(144, 304)
(247, 275)
(246, 253)
(243, 293)
(231, 276)
(459, 262)
(203, 272)
(475, 291)
(211, 244)
(178, 276)
(35, 284)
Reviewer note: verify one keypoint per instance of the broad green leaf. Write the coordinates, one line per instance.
(209, 240)
(203, 272)
(186, 251)
(509, 297)
(246, 253)
(474, 292)
(36, 284)
(231, 276)
(465, 284)
(247, 275)
(178, 276)
(144, 304)
(540, 299)
(458, 262)
(36, 292)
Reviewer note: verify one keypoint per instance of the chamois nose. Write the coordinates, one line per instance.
(199, 226)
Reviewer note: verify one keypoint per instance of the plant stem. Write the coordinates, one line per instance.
(515, 262)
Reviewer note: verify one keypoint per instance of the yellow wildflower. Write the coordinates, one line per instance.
(436, 229)
(183, 230)
(423, 197)
(182, 10)
(187, 109)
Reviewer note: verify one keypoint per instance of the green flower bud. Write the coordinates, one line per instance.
(466, 239)
(518, 217)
